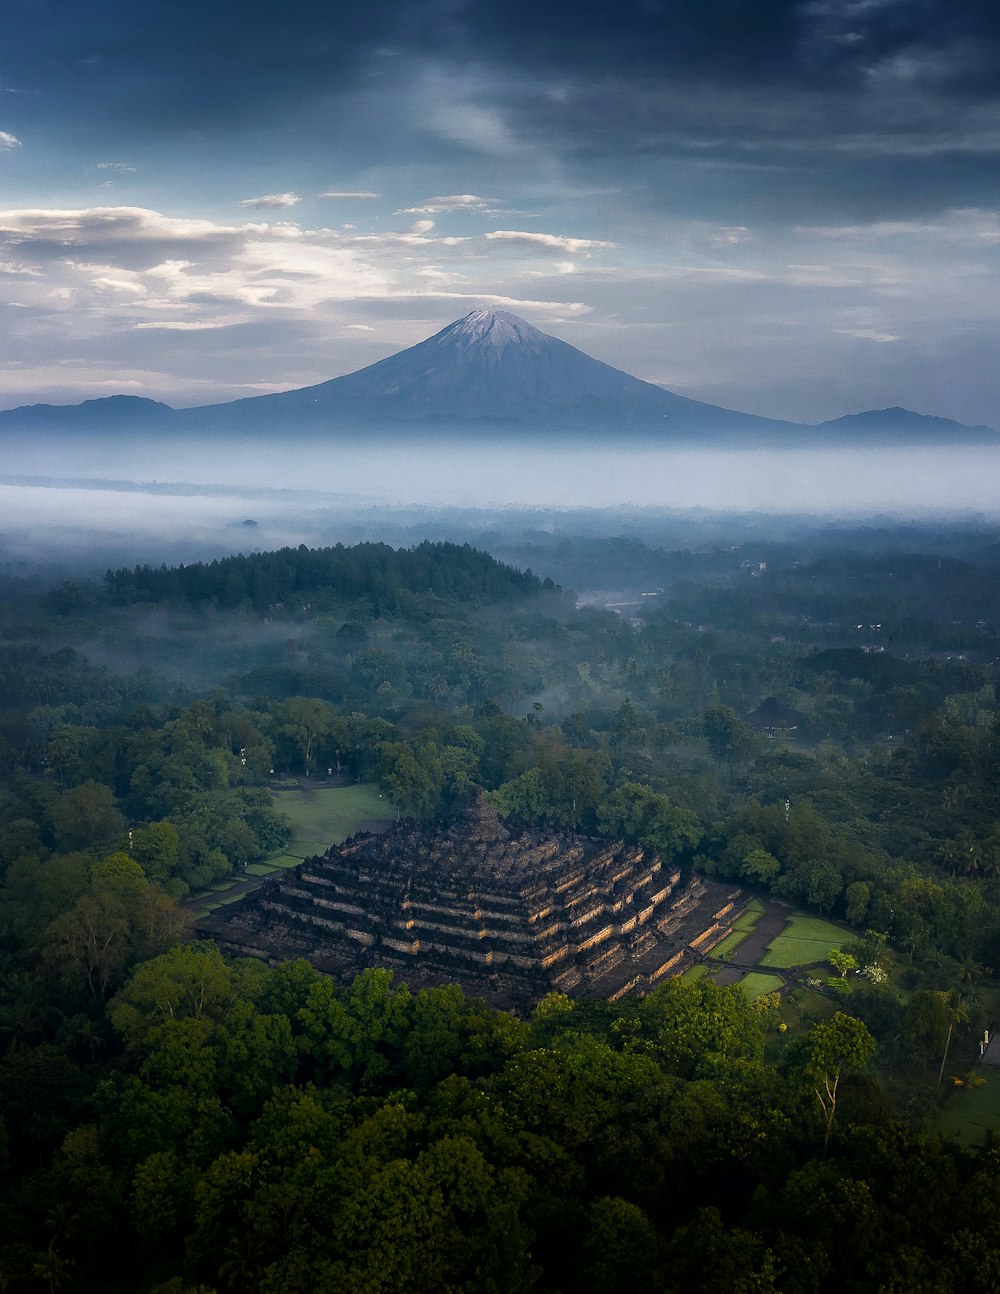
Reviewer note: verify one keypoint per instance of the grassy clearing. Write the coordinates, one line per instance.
(803, 1008)
(968, 1116)
(321, 816)
(804, 940)
(325, 816)
(755, 984)
(698, 971)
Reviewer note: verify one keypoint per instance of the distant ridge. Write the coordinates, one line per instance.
(110, 411)
(904, 424)
(489, 374)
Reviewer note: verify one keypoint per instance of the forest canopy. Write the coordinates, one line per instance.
(173, 1121)
(377, 573)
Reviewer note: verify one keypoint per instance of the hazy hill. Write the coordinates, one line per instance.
(109, 413)
(902, 426)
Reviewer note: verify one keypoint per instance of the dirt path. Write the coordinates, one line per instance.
(771, 924)
(746, 956)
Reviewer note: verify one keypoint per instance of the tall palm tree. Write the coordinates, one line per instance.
(958, 1012)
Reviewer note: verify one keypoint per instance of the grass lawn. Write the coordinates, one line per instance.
(803, 1008)
(325, 816)
(755, 985)
(698, 971)
(732, 941)
(219, 903)
(744, 925)
(803, 941)
(747, 920)
(321, 817)
(968, 1116)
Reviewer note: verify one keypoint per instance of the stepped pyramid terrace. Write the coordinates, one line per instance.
(507, 913)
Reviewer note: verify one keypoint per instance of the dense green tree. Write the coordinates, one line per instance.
(634, 812)
(86, 817)
(120, 918)
(729, 738)
(301, 723)
(832, 1049)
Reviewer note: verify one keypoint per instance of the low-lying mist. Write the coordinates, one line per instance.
(87, 504)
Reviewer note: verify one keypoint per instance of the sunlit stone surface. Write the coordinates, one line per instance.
(508, 914)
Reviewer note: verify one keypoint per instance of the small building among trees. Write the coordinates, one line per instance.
(773, 719)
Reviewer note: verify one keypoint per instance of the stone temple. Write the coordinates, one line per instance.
(509, 914)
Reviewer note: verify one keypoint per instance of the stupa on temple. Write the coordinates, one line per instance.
(509, 914)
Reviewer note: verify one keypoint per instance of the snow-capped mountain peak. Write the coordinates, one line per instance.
(497, 328)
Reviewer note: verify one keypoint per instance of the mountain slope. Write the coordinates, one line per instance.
(491, 374)
(490, 367)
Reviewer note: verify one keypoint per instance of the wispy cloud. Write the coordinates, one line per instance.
(123, 168)
(8, 141)
(272, 200)
(119, 225)
(418, 234)
(868, 334)
(549, 242)
(347, 194)
(876, 230)
(464, 107)
(971, 227)
(468, 202)
(190, 325)
(732, 235)
(138, 269)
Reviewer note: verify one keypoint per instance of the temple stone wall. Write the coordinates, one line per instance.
(509, 915)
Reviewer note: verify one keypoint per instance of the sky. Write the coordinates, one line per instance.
(789, 207)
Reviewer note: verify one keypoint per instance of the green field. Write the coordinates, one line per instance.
(218, 902)
(755, 984)
(968, 1116)
(321, 816)
(326, 815)
(803, 941)
(744, 925)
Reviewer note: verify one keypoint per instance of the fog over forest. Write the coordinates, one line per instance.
(87, 504)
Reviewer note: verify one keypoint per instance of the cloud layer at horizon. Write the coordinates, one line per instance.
(791, 208)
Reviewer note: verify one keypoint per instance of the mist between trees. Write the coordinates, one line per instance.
(172, 1121)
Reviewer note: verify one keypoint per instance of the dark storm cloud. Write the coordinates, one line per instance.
(182, 61)
(753, 42)
(181, 58)
(889, 100)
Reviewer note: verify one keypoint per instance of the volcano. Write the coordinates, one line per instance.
(489, 375)
(491, 369)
